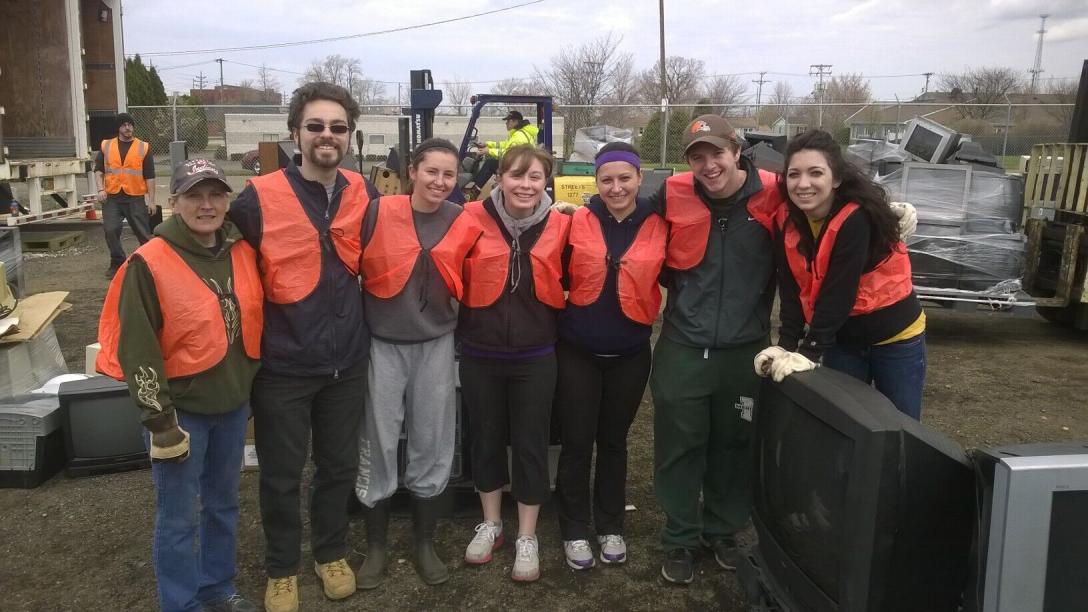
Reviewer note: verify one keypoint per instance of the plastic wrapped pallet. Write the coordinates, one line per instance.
(25, 366)
(589, 140)
(31, 442)
(11, 255)
(968, 222)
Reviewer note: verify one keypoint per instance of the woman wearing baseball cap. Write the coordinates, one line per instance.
(182, 326)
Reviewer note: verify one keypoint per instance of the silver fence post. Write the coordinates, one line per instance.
(1008, 122)
(175, 116)
(664, 129)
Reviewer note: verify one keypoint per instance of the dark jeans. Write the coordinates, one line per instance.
(897, 370)
(113, 212)
(288, 411)
(510, 402)
(196, 512)
(596, 401)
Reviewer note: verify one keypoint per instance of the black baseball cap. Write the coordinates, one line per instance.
(190, 172)
(513, 115)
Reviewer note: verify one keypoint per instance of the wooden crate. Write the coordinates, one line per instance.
(1057, 179)
(36, 242)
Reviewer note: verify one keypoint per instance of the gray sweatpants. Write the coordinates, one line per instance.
(411, 388)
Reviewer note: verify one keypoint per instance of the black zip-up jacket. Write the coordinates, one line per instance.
(326, 332)
(831, 319)
(517, 321)
(601, 327)
(726, 299)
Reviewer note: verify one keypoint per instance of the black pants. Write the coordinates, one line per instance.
(113, 213)
(596, 399)
(287, 412)
(510, 402)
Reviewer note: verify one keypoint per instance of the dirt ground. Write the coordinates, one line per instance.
(85, 544)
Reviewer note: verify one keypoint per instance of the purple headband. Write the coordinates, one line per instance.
(616, 156)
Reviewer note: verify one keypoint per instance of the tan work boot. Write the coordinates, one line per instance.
(281, 594)
(337, 577)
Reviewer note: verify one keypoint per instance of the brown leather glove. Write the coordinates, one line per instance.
(169, 442)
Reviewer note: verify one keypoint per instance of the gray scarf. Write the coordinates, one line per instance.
(516, 227)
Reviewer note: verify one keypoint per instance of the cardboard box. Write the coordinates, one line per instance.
(575, 189)
(91, 356)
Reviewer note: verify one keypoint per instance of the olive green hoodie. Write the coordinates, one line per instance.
(227, 384)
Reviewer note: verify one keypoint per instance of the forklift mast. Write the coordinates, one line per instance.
(543, 106)
(424, 99)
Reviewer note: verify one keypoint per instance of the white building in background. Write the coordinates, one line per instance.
(380, 132)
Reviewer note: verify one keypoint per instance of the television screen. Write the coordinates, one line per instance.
(102, 428)
(923, 143)
(1067, 552)
(856, 506)
(807, 521)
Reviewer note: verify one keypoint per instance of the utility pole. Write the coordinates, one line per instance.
(927, 75)
(222, 90)
(1038, 67)
(664, 86)
(820, 70)
(759, 85)
(198, 81)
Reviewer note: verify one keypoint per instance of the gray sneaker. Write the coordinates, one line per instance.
(579, 554)
(613, 549)
(488, 539)
(234, 603)
(526, 559)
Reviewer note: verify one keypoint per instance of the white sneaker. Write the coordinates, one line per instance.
(526, 559)
(488, 538)
(613, 549)
(579, 554)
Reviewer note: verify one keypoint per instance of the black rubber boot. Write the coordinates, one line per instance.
(424, 519)
(377, 529)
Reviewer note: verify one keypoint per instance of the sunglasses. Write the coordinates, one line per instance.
(316, 128)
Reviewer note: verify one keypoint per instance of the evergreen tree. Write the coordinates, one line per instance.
(143, 87)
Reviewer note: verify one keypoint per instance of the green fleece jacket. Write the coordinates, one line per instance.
(227, 384)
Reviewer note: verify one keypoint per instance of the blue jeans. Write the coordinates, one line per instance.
(897, 370)
(196, 512)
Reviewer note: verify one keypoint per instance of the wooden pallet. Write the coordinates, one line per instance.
(1058, 179)
(36, 242)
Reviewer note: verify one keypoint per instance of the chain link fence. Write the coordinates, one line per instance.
(230, 133)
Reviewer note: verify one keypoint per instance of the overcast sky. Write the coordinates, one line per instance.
(881, 39)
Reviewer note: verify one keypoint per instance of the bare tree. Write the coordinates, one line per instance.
(625, 90)
(1062, 91)
(346, 72)
(843, 97)
(581, 76)
(512, 87)
(266, 80)
(683, 76)
(725, 93)
(247, 84)
(457, 93)
(978, 86)
(777, 104)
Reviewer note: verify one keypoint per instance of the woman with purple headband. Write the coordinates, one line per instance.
(617, 249)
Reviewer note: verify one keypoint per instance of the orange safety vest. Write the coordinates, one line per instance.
(128, 174)
(487, 266)
(290, 244)
(689, 216)
(193, 338)
(636, 271)
(887, 283)
(391, 254)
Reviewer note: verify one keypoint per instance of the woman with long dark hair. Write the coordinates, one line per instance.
(844, 278)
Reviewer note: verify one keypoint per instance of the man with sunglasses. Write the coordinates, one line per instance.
(305, 222)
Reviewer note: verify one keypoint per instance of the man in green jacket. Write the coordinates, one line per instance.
(181, 325)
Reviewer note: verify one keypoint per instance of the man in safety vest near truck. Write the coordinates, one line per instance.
(124, 172)
(306, 224)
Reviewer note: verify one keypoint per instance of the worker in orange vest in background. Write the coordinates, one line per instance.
(124, 171)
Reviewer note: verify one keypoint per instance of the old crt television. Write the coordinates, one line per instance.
(929, 141)
(1033, 547)
(857, 507)
(102, 429)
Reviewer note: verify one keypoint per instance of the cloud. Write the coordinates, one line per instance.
(1074, 29)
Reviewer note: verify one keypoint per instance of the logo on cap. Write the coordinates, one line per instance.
(700, 126)
(196, 166)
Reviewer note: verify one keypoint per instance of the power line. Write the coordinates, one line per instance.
(338, 38)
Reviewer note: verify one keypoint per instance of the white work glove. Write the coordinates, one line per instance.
(908, 219)
(766, 357)
(791, 363)
(169, 442)
(565, 207)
